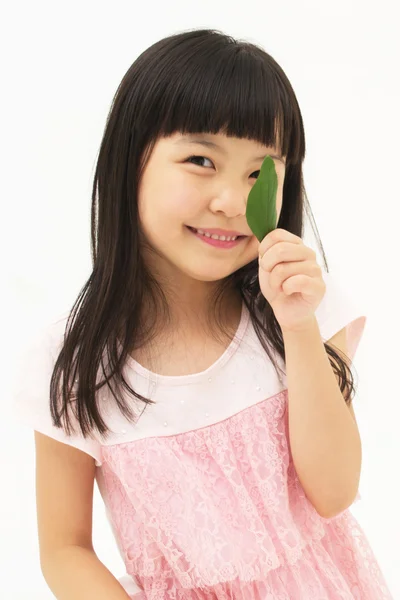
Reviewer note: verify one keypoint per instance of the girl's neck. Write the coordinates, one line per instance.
(186, 345)
(193, 320)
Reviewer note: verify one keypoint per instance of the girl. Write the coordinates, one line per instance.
(202, 378)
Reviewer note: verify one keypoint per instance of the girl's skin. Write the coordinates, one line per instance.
(207, 192)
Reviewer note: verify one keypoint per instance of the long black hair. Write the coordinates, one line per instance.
(191, 82)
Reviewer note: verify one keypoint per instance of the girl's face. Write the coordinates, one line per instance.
(201, 181)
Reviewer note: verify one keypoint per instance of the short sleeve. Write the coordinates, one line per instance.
(131, 587)
(339, 308)
(31, 389)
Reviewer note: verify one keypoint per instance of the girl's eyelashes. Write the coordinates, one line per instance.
(191, 158)
(200, 158)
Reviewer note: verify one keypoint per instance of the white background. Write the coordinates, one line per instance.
(61, 65)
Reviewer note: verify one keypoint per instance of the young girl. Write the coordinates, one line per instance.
(202, 378)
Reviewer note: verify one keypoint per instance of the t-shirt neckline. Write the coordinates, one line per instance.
(205, 375)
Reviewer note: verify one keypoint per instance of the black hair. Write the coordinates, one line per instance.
(195, 81)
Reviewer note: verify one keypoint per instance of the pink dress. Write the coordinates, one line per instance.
(201, 491)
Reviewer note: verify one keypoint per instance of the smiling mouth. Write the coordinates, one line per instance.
(222, 238)
(216, 241)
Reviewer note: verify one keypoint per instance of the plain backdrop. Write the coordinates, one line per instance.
(61, 65)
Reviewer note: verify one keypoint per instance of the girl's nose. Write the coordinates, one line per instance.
(231, 201)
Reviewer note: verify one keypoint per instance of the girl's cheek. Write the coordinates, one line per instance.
(187, 203)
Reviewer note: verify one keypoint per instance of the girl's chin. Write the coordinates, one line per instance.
(208, 271)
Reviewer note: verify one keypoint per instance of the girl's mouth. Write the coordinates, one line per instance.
(214, 241)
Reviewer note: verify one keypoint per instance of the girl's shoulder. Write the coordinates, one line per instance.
(342, 307)
(31, 384)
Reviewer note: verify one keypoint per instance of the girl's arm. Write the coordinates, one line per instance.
(75, 572)
(324, 436)
(64, 499)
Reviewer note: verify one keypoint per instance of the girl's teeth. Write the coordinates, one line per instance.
(216, 237)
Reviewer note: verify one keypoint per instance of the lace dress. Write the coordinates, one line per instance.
(201, 491)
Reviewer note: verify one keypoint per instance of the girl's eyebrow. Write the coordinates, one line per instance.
(208, 144)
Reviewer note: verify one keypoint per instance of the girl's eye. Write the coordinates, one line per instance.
(192, 159)
(198, 158)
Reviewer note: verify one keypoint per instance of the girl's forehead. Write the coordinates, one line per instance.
(211, 139)
(220, 142)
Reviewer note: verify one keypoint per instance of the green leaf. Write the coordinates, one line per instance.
(261, 203)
